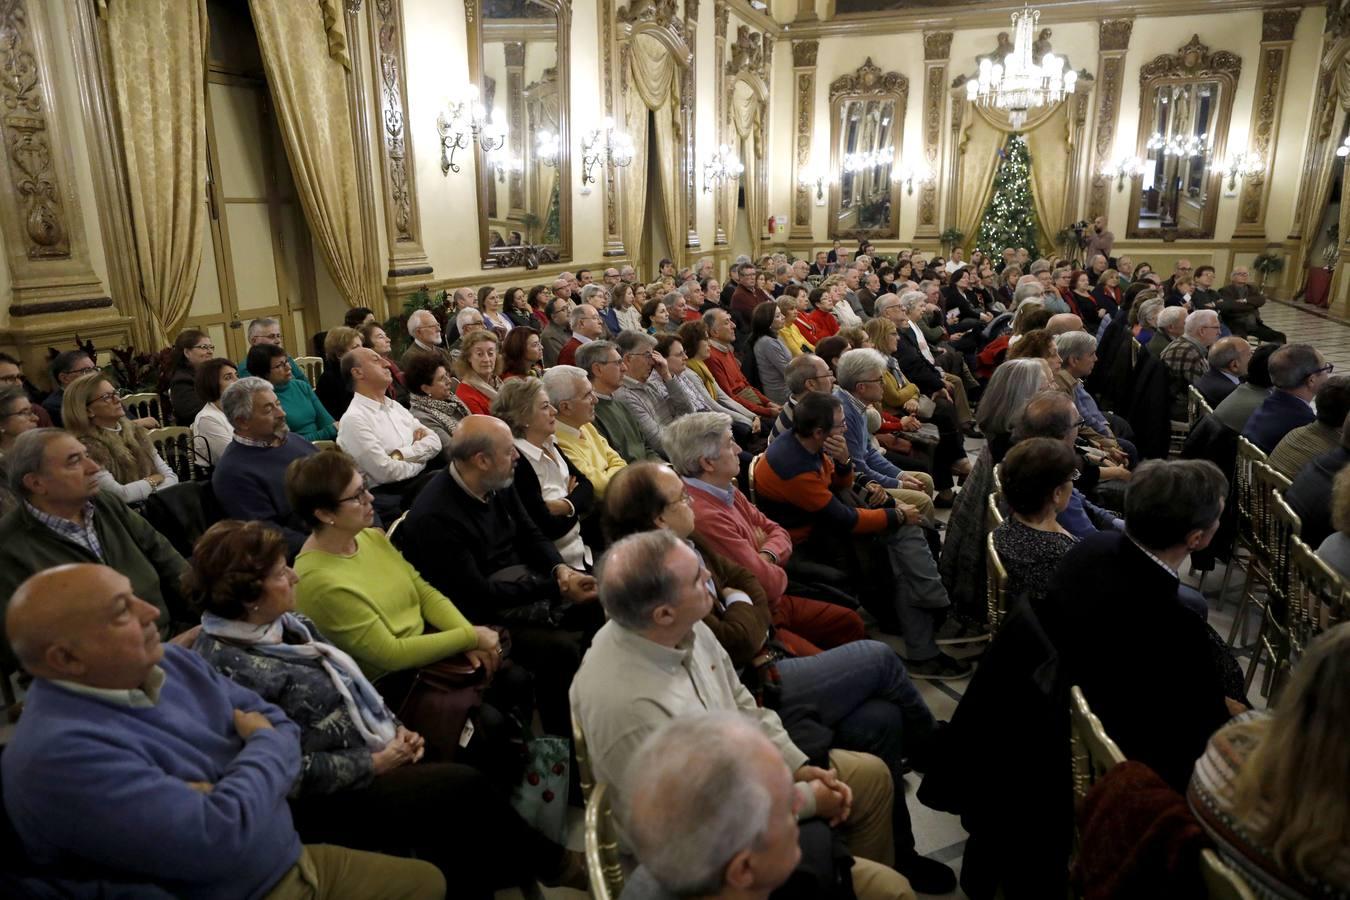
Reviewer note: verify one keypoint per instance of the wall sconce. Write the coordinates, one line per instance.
(1344, 149)
(719, 167)
(1122, 168)
(908, 174)
(603, 143)
(547, 147)
(468, 119)
(1242, 164)
(809, 178)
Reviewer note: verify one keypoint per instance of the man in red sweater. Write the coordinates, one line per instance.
(726, 368)
(703, 453)
(587, 326)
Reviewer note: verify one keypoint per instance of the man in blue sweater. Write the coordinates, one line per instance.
(136, 762)
(250, 480)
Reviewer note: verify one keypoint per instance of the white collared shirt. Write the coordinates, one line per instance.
(371, 429)
(143, 697)
(551, 469)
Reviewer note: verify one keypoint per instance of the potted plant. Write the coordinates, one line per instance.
(950, 238)
(1268, 264)
(397, 326)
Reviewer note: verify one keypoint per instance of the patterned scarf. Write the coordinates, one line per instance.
(125, 451)
(445, 413)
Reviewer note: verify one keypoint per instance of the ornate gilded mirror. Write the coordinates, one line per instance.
(867, 114)
(518, 58)
(1186, 101)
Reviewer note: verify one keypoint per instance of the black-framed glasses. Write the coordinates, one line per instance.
(870, 381)
(1077, 425)
(11, 379)
(1328, 368)
(211, 347)
(26, 411)
(282, 364)
(363, 497)
(104, 397)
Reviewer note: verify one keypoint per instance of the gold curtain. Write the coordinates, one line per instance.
(978, 162)
(1051, 147)
(653, 84)
(633, 196)
(668, 140)
(309, 89)
(157, 53)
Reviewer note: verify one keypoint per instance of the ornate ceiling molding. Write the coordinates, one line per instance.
(1114, 34)
(937, 45)
(804, 54)
(1193, 60)
(1279, 24)
(868, 79)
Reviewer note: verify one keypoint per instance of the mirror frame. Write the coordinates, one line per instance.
(1191, 64)
(867, 82)
(561, 11)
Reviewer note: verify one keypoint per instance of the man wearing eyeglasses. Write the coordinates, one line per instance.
(605, 367)
(587, 326)
(1298, 372)
(65, 368)
(11, 375)
(1187, 358)
(1183, 267)
(1240, 305)
(266, 331)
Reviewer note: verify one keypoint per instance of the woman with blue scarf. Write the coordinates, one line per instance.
(362, 783)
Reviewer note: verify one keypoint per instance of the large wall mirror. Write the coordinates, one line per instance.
(519, 60)
(867, 112)
(1187, 98)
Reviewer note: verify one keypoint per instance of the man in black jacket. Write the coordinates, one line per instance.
(1240, 305)
(1228, 360)
(469, 536)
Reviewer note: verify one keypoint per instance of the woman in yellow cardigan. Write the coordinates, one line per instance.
(899, 396)
(790, 334)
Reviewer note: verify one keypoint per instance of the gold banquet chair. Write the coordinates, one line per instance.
(312, 366)
(1278, 525)
(1092, 754)
(1221, 881)
(146, 405)
(1247, 543)
(1317, 598)
(603, 862)
(996, 586)
(174, 444)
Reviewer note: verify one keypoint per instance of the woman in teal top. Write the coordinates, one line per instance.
(305, 415)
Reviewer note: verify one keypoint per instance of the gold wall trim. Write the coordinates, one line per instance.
(1113, 39)
(720, 112)
(803, 115)
(937, 47)
(1277, 40)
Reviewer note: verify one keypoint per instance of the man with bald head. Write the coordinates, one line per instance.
(65, 518)
(1063, 323)
(1228, 360)
(136, 762)
(469, 536)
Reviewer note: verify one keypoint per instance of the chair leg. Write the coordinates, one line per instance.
(1244, 606)
(1227, 574)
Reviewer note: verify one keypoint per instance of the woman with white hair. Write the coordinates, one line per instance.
(1014, 383)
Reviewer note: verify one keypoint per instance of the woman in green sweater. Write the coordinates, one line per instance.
(305, 415)
(361, 593)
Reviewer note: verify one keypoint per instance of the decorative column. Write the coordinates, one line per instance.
(937, 47)
(957, 90)
(803, 114)
(720, 112)
(1277, 38)
(1113, 39)
(55, 293)
(689, 120)
(609, 187)
(515, 118)
(408, 264)
(1078, 123)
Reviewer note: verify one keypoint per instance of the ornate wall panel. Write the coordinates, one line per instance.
(402, 224)
(750, 67)
(688, 110)
(720, 111)
(803, 117)
(1113, 39)
(1277, 39)
(608, 60)
(937, 46)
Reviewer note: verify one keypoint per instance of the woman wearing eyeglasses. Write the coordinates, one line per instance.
(132, 468)
(192, 348)
(305, 415)
(16, 417)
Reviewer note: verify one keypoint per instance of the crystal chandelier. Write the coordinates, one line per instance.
(1018, 83)
(1179, 144)
(868, 159)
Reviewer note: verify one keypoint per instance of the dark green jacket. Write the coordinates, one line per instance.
(616, 423)
(129, 544)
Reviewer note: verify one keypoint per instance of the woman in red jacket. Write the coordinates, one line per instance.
(479, 371)
(822, 322)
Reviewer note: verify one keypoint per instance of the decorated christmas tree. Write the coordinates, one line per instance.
(1010, 219)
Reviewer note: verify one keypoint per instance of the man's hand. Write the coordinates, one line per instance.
(911, 406)
(756, 425)
(249, 723)
(419, 434)
(1115, 473)
(834, 799)
(206, 787)
(911, 513)
(837, 448)
(909, 423)
(576, 586)
(876, 494)
(760, 536)
(660, 366)
(911, 483)
(775, 407)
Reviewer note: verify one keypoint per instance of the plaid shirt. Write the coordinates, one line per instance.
(82, 533)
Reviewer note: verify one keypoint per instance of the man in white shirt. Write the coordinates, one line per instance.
(957, 260)
(389, 446)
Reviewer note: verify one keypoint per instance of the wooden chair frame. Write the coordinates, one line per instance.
(1276, 528)
(1317, 598)
(603, 861)
(996, 586)
(147, 403)
(312, 366)
(1221, 881)
(176, 446)
(1246, 540)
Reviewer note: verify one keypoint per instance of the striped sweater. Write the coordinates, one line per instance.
(796, 488)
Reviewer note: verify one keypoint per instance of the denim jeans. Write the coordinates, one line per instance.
(862, 691)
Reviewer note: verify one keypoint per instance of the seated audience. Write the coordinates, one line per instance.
(1037, 477)
(490, 305)
(267, 331)
(819, 319)
(1263, 790)
(522, 353)
(1297, 448)
(469, 534)
(479, 370)
(362, 782)
(1235, 409)
(1171, 325)
(1335, 548)
(650, 392)
(656, 318)
(1228, 359)
(119, 729)
(1187, 358)
(66, 518)
(556, 332)
(1240, 307)
(796, 480)
(130, 467)
(700, 384)
(211, 430)
(65, 367)
(711, 811)
(432, 400)
(1052, 415)
(332, 390)
(1310, 494)
(570, 392)
(551, 488)
(374, 337)
(1078, 356)
(704, 453)
(1297, 372)
(627, 312)
(769, 351)
(605, 366)
(587, 326)
(859, 692)
(517, 308)
(427, 337)
(1014, 383)
(250, 480)
(726, 369)
(386, 442)
(631, 683)
(16, 417)
(304, 412)
(791, 332)
(190, 350)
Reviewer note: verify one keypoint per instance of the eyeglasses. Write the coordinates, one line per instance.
(1328, 368)
(75, 373)
(683, 498)
(11, 379)
(613, 362)
(362, 497)
(1077, 425)
(281, 365)
(204, 347)
(103, 398)
(868, 381)
(274, 336)
(26, 411)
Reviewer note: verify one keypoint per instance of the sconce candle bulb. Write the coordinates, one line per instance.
(467, 119)
(605, 144)
(721, 166)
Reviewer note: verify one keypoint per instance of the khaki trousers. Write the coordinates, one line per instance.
(868, 829)
(959, 398)
(325, 872)
(922, 500)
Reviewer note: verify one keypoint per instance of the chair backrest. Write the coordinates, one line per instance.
(325, 445)
(584, 774)
(174, 444)
(394, 527)
(996, 584)
(1247, 454)
(1196, 407)
(993, 515)
(1093, 751)
(750, 477)
(603, 862)
(139, 406)
(312, 366)
(997, 481)
(1317, 598)
(1221, 881)
(1278, 525)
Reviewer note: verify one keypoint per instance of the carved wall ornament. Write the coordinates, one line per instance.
(1279, 24)
(515, 53)
(747, 52)
(389, 56)
(1338, 17)
(869, 79)
(1114, 34)
(1110, 72)
(937, 44)
(804, 54)
(805, 101)
(24, 122)
(932, 141)
(1192, 61)
(720, 16)
(665, 13)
